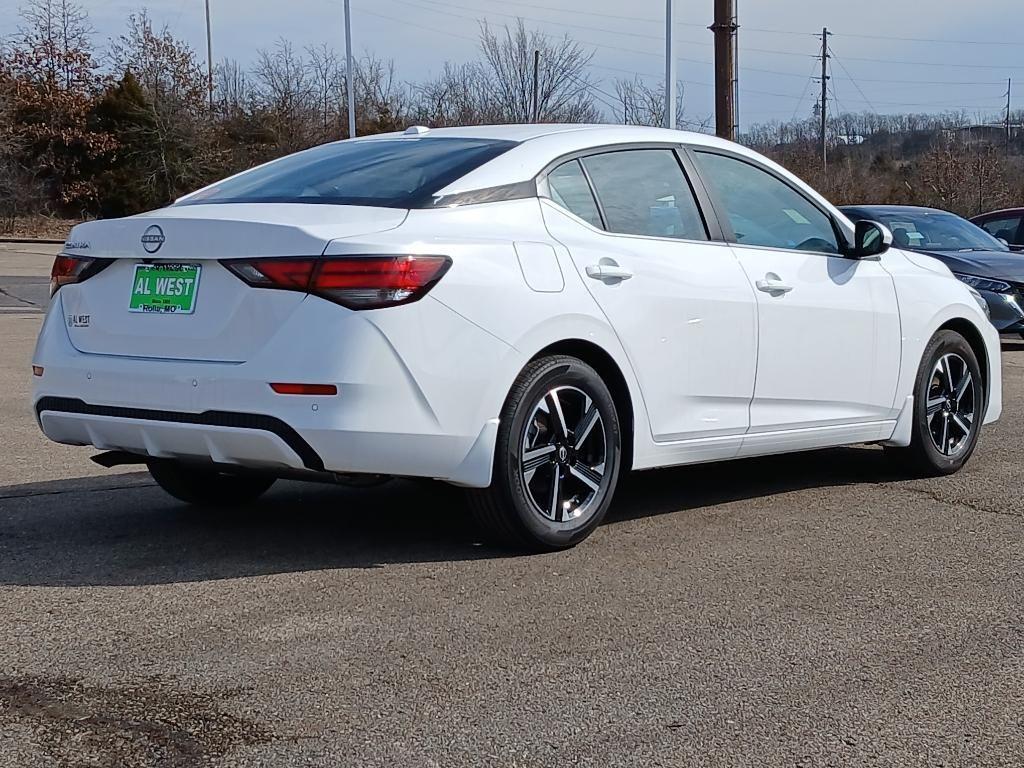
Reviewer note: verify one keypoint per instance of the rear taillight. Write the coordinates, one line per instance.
(74, 269)
(356, 282)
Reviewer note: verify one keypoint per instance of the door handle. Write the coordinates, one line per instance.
(772, 284)
(608, 272)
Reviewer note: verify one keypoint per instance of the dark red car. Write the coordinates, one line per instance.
(1007, 224)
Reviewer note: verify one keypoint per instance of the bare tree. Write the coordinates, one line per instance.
(231, 88)
(286, 91)
(642, 104)
(59, 28)
(383, 103)
(564, 85)
(176, 120)
(459, 96)
(328, 76)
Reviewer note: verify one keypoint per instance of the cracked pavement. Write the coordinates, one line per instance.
(816, 609)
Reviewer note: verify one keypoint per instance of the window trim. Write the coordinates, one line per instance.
(723, 214)
(543, 187)
(712, 228)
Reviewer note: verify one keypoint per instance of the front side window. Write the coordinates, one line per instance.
(644, 192)
(1004, 227)
(390, 173)
(571, 190)
(764, 210)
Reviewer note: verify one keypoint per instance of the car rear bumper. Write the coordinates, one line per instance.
(405, 406)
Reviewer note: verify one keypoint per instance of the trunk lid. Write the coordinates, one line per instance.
(229, 320)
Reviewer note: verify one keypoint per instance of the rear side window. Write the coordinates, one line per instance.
(764, 210)
(390, 173)
(644, 192)
(571, 190)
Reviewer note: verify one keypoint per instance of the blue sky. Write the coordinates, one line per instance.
(943, 67)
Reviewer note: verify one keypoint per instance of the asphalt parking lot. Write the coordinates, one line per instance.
(808, 610)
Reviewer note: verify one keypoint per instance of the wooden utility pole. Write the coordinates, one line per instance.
(536, 86)
(209, 56)
(736, 68)
(1009, 85)
(824, 97)
(725, 69)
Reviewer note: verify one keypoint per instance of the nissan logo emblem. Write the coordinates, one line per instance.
(152, 239)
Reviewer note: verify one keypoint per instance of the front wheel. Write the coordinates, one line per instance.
(949, 406)
(556, 461)
(207, 487)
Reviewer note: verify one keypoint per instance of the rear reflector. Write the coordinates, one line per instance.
(305, 389)
(356, 282)
(37, 370)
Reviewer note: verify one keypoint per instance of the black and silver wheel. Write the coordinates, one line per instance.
(207, 487)
(949, 401)
(556, 460)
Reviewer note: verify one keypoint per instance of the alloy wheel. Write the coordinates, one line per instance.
(951, 404)
(563, 455)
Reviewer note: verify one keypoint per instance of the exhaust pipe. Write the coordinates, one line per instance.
(110, 459)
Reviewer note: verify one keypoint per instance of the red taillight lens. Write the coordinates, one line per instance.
(74, 269)
(67, 269)
(357, 282)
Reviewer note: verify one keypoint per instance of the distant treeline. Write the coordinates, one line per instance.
(110, 132)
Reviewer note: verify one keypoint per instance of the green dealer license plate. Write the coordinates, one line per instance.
(167, 288)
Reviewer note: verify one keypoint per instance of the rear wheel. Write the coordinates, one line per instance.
(208, 487)
(556, 460)
(949, 402)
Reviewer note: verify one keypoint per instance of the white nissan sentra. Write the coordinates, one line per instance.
(526, 311)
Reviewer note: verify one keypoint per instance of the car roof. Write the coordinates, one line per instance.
(1000, 212)
(537, 145)
(893, 209)
(520, 132)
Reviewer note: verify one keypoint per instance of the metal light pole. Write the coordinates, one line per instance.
(209, 56)
(349, 74)
(670, 66)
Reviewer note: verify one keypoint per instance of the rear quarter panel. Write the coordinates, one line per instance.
(487, 285)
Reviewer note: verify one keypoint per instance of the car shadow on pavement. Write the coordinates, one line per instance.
(123, 530)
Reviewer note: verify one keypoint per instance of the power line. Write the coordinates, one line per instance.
(855, 85)
(807, 84)
(927, 39)
(473, 39)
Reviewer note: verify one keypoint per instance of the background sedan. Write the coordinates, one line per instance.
(975, 256)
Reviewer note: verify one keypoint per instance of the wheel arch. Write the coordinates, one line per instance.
(972, 334)
(602, 362)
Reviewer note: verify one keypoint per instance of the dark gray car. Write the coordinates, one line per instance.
(975, 257)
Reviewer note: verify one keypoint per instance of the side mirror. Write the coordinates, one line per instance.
(1004, 241)
(870, 239)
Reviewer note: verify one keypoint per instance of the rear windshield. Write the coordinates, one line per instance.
(390, 173)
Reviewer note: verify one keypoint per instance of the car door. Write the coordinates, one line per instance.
(679, 303)
(828, 326)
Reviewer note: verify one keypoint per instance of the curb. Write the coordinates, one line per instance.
(31, 241)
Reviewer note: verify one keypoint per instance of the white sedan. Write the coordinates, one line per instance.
(526, 311)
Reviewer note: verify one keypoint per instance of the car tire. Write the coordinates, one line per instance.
(949, 407)
(557, 459)
(208, 487)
